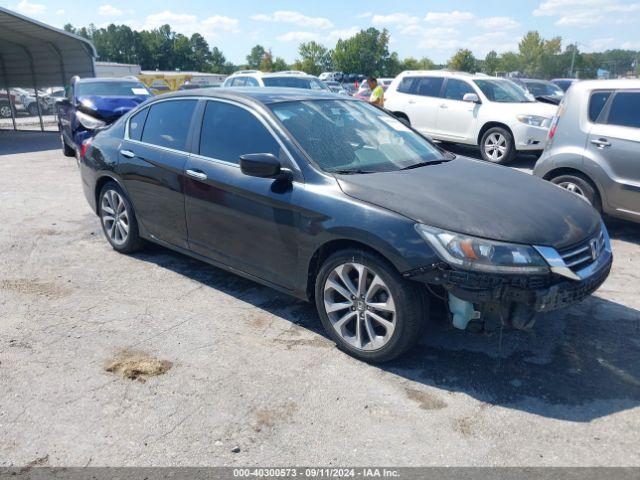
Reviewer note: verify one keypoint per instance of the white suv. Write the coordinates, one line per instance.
(289, 79)
(457, 107)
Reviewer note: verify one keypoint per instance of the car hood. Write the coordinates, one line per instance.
(475, 198)
(109, 108)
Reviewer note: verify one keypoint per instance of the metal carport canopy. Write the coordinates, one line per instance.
(35, 55)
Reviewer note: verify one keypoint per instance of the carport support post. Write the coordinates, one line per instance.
(35, 86)
(6, 87)
(39, 110)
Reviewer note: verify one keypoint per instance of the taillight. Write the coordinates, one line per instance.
(554, 127)
(83, 149)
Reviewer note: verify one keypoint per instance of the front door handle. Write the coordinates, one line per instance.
(127, 153)
(601, 142)
(199, 174)
(444, 105)
(411, 102)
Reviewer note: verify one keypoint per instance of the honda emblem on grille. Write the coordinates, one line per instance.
(595, 248)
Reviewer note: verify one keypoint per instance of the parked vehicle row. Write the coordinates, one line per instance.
(335, 201)
(286, 79)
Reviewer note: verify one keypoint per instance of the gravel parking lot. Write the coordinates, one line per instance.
(253, 381)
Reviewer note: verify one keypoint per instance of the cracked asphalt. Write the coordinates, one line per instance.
(252, 369)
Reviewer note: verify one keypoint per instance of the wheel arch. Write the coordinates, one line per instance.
(101, 181)
(327, 249)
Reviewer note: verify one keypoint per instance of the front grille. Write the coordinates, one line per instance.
(585, 253)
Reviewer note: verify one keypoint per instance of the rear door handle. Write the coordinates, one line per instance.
(601, 142)
(127, 153)
(199, 174)
(411, 102)
(444, 105)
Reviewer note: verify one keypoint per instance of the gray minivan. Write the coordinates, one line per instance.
(593, 148)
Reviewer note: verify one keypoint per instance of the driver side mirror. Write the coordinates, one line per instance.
(471, 98)
(263, 165)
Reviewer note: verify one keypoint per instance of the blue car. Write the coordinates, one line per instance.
(92, 103)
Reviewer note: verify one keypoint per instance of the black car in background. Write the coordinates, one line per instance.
(332, 200)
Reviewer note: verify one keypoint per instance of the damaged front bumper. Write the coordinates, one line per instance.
(513, 299)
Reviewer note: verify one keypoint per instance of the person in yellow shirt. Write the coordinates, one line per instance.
(377, 92)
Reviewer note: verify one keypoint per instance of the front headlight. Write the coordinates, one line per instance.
(89, 122)
(534, 120)
(474, 253)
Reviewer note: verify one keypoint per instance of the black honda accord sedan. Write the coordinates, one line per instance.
(332, 200)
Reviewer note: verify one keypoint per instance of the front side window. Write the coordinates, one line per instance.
(111, 89)
(406, 85)
(596, 104)
(229, 131)
(168, 124)
(625, 108)
(457, 89)
(136, 124)
(344, 136)
(502, 91)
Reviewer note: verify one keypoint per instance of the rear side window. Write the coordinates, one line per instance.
(428, 86)
(168, 123)
(457, 89)
(251, 82)
(625, 110)
(596, 104)
(406, 85)
(136, 124)
(229, 131)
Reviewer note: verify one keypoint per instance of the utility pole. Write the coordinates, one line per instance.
(573, 59)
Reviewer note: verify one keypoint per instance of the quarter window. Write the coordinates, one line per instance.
(136, 124)
(596, 104)
(624, 110)
(168, 123)
(457, 89)
(229, 131)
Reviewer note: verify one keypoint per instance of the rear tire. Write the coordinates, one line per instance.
(118, 219)
(580, 186)
(497, 146)
(378, 316)
(32, 109)
(66, 149)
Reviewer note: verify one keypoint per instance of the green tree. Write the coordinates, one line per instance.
(266, 64)
(280, 64)
(491, 63)
(217, 61)
(463, 61)
(200, 54)
(411, 63)
(255, 56)
(314, 58)
(510, 62)
(367, 52)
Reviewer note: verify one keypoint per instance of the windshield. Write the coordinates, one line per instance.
(503, 91)
(346, 136)
(111, 89)
(295, 82)
(540, 89)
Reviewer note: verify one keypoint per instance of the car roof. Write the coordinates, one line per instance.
(107, 79)
(265, 96)
(621, 83)
(448, 73)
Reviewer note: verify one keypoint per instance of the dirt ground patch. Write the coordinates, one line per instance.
(135, 365)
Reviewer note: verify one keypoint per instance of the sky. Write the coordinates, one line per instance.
(435, 29)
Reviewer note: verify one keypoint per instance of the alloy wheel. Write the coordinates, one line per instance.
(115, 217)
(360, 306)
(495, 146)
(5, 111)
(574, 188)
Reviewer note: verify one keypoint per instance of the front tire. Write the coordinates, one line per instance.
(367, 307)
(497, 146)
(118, 219)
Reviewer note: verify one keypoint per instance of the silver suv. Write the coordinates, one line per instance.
(593, 148)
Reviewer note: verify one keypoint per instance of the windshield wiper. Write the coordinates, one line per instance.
(424, 164)
(351, 172)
